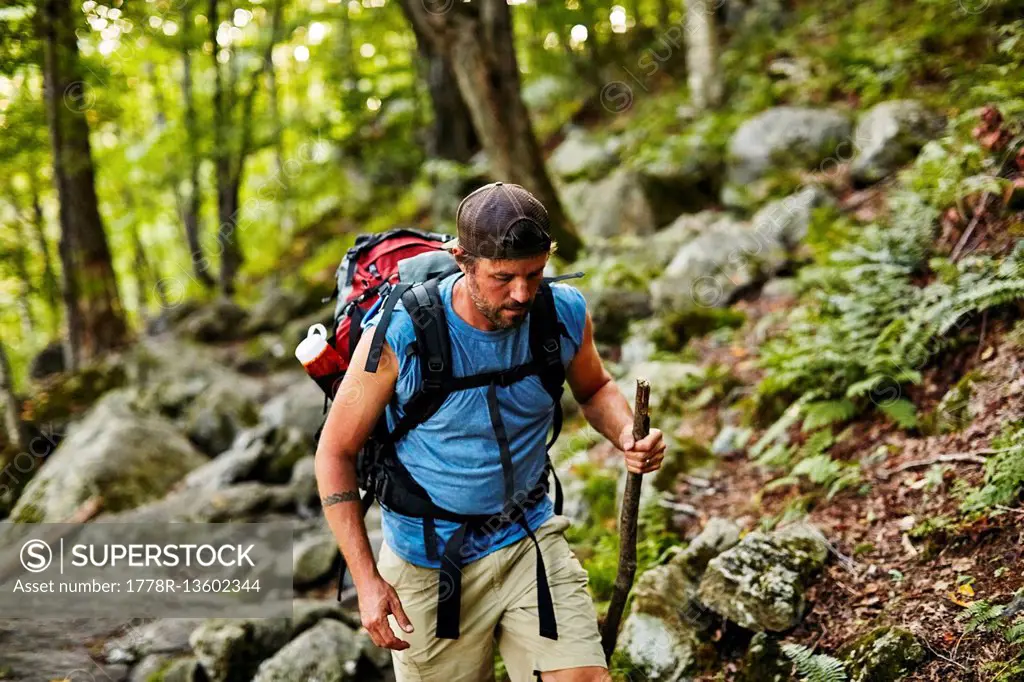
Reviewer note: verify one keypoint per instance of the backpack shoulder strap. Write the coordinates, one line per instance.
(393, 297)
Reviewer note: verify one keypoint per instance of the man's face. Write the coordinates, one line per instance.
(503, 290)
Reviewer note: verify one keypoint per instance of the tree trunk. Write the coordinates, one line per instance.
(191, 201)
(19, 259)
(452, 136)
(703, 75)
(10, 404)
(96, 320)
(51, 288)
(227, 190)
(476, 38)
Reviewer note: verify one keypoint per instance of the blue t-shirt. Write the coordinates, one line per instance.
(454, 455)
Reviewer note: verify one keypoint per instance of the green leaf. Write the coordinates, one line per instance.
(901, 411)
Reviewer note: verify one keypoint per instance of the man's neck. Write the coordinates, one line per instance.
(464, 307)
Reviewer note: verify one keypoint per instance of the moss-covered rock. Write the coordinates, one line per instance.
(582, 156)
(263, 453)
(116, 452)
(219, 320)
(717, 536)
(761, 583)
(765, 661)
(330, 651)
(889, 135)
(886, 654)
(613, 309)
(59, 398)
(218, 415)
(231, 650)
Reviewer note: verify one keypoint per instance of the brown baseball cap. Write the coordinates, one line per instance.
(502, 220)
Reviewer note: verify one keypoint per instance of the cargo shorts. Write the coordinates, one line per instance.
(499, 605)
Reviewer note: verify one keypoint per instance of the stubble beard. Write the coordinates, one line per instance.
(492, 313)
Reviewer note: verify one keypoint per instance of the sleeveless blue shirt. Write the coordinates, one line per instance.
(454, 455)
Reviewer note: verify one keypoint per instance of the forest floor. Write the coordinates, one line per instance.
(902, 555)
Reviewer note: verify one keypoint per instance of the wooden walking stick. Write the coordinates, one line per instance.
(627, 526)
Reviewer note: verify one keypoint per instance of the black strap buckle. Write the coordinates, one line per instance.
(435, 364)
(551, 345)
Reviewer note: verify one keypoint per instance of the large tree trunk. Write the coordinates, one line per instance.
(227, 189)
(476, 38)
(51, 288)
(96, 320)
(9, 403)
(703, 74)
(453, 136)
(191, 201)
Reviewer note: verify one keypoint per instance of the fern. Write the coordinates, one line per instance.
(901, 411)
(812, 667)
(1004, 472)
(981, 616)
(827, 412)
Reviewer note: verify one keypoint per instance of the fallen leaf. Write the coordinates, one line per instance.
(966, 590)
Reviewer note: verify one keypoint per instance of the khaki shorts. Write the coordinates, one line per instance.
(499, 603)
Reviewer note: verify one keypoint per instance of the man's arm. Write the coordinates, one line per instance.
(359, 402)
(607, 409)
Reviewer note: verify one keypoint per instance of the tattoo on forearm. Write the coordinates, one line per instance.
(336, 498)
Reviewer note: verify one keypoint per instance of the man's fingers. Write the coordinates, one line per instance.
(396, 608)
(383, 636)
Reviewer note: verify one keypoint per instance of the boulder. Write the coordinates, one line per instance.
(660, 638)
(299, 406)
(615, 205)
(785, 221)
(163, 637)
(711, 268)
(885, 654)
(164, 668)
(304, 487)
(220, 320)
(671, 383)
(263, 453)
(127, 457)
(314, 557)
(761, 583)
(243, 502)
(682, 173)
(581, 156)
(273, 311)
(328, 652)
(217, 415)
(611, 311)
(308, 612)
(780, 139)
(889, 135)
(231, 650)
(717, 536)
(765, 661)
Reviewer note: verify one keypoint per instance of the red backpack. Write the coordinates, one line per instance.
(369, 270)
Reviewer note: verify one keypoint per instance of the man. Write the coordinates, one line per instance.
(481, 441)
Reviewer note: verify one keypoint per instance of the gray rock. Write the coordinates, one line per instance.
(617, 204)
(660, 637)
(327, 652)
(761, 583)
(638, 346)
(611, 311)
(126, 456)
(220, 320)
(231, 650)
(217, 415)
(889, 135)
(263, 453)
(682, 173)
(243, 502)
(765, 661)
(730, 439)
(718, 535)
(164, 668)
(581, 156)
(299, 406)
(780, 138)
(709, 269)
(785, 221)
(885, 654)
(313, 557)
(273, 311)
(164, 637)
(308, 612)
(304, 486)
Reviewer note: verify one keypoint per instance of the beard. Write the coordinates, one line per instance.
(496, 315)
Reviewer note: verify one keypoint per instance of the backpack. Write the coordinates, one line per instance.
(407, 265)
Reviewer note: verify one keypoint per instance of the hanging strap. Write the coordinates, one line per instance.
(449, 586)
(373, 358)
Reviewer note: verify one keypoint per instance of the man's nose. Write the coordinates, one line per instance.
(520, 291)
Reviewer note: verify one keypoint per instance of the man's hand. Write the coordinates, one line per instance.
(643, 456)
(378, 600)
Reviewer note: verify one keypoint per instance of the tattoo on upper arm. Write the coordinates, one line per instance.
(336, 498)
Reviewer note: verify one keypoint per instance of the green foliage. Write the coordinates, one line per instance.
(1004, 472)
(812, 667)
